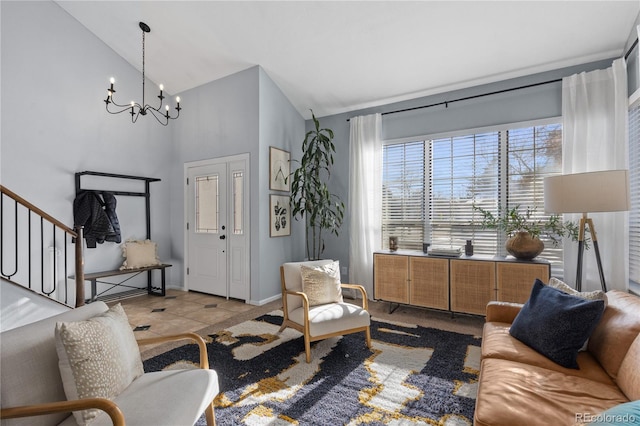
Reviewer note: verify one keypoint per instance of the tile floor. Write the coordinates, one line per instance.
(181, 311)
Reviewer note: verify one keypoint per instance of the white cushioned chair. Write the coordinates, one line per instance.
(32, 391)
(321, 321)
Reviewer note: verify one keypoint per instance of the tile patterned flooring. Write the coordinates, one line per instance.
(180, 311)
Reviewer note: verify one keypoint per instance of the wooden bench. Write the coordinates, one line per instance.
(94, 277)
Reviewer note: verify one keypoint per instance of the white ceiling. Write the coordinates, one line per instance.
(337, 56)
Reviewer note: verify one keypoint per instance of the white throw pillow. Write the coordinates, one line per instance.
(321, 284)
(588, 295)
(98, 358)
(139, 254)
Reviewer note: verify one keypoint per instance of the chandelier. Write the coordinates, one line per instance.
(137, 109)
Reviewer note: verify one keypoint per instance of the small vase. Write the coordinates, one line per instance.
(522, 246)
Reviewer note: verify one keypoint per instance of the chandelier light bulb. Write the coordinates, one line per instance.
(167, 107)
(177, 99)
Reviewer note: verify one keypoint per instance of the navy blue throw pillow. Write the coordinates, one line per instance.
(556, 324)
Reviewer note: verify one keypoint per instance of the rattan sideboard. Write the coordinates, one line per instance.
(462, 284)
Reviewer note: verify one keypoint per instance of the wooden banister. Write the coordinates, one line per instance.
(69, 232)
(38, 211)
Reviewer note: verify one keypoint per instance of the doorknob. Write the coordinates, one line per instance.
(222, 237)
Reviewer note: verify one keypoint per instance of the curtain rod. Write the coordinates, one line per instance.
(466, 98)
(497, 92)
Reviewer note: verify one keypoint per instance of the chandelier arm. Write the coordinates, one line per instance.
(155, 112)
(124, 108)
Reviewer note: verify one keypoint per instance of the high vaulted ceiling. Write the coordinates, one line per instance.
(337, 56)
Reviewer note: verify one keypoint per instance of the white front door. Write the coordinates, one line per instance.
(217, 255)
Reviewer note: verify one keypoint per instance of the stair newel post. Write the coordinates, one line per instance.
(79, 267)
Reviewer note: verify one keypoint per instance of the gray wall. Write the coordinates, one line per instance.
(527, 104)
(55, 76)
(242, 113)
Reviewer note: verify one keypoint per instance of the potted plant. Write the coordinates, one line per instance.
(524, 230)
(310, 196)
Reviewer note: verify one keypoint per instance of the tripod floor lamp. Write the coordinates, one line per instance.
(604, 191)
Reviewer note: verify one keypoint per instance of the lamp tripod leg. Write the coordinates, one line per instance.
(594, 238)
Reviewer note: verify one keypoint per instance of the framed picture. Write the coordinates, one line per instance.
(279, 216)
(279, 161)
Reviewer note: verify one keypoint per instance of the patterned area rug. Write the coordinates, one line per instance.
(412, 375)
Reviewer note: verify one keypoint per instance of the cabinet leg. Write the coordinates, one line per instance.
(390, 307)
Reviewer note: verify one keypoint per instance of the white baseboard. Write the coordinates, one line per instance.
(263, 301)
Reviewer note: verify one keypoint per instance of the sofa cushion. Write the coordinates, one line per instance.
(511, 393)
(321, 284)
(618, 328)
(29, 356)
(629, 373)
(556, 324)
(98, 358)
(498, 343)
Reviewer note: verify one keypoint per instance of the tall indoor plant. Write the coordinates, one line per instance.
(524, 230)
(310, 196)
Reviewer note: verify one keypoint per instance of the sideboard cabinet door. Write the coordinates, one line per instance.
(472, 285)
(391, 278)
(515, 279)
(429, 282)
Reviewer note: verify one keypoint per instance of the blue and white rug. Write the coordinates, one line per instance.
(412, 375)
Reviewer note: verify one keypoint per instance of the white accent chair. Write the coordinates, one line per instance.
(322, 321)
(32, 392)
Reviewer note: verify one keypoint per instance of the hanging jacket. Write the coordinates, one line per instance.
(90, 213)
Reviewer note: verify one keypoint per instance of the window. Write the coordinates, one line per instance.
(634, 190)
(430, 186)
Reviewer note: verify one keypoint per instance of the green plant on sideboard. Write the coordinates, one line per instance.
(310, 196)
(515, 222)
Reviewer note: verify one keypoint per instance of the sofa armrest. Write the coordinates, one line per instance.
(117, 418)
(204, 357)
(502, 311)
(365, 300)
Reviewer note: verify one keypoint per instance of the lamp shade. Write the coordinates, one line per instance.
(604, 191)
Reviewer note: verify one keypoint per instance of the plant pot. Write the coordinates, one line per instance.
(522, 246)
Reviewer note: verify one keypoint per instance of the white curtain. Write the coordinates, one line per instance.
(595, 137)
(365, 199)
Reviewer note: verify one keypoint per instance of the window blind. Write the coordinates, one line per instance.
(534, 153)
(403, 194)
(634, 190)
(430, 187)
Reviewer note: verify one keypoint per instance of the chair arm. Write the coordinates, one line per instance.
(305, 299)
(117, 418)
(502, 311)
(365, 300)
(204, 357)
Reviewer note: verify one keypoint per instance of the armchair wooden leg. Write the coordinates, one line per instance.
(367, 334)
(282, 327)
(210, 415)
(307, 348)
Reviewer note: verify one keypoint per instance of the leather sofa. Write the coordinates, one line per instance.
(519, 386)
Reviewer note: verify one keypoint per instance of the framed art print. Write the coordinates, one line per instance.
(279, 161)
(279, 216)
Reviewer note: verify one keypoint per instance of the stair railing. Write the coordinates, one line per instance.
(25, 233)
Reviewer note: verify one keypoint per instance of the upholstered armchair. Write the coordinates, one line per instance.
(313, 304)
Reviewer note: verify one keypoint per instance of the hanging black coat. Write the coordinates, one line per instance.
(97, 217)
